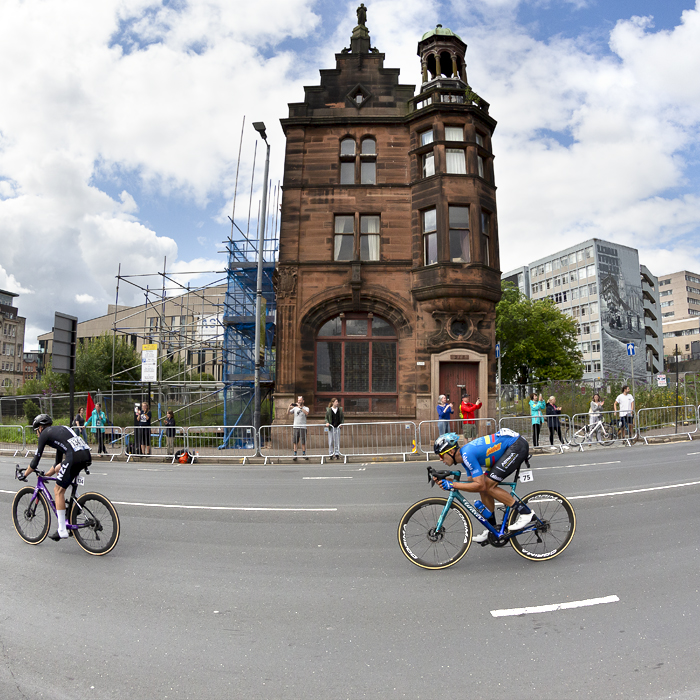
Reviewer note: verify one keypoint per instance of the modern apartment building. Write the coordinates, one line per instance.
(11, 343)
(680, 312)
(613, 299)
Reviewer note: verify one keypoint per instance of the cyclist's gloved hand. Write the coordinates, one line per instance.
(446, 485)
(39, 472)
(19, 473)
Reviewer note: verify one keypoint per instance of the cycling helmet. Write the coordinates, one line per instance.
(445, 443)
(42, 419)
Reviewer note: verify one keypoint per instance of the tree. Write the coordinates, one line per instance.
(93, 363)
(538, 341)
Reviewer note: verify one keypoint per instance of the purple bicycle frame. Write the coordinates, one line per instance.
(41, 486)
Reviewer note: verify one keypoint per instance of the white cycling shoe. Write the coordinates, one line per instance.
(521, 521)
(481, 538)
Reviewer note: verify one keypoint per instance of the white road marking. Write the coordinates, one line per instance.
(693, 453)
(623, 493)
(168, 505)
(327, 477)
(555, 606)
(154, 470)
(571, 466)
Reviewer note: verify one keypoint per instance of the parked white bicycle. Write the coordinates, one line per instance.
(603, 433)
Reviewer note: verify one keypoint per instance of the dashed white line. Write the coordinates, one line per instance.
(327, 477)
(555, 606)
(624, 493)
(572, 466)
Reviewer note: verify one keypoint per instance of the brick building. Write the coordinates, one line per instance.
(11, 343)
(388, 269)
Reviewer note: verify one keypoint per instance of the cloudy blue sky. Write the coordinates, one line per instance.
(120, 123)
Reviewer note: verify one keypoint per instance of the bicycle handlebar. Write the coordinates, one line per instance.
(438, 474)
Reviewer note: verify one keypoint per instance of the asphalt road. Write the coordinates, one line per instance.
(320, 603)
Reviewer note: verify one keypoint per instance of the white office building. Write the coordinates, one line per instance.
(601, 285)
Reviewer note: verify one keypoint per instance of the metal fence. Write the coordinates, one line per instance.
(430, 430)
(277, 441)
(221, 441)
(376, 439)
(12, 439)
(524, 426)
(667, 421)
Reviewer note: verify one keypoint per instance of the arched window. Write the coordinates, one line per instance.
(356, 363)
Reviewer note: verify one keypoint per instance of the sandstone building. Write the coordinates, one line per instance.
(388, 269)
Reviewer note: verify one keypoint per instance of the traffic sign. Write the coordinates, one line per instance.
(630, 349)
(498, 350)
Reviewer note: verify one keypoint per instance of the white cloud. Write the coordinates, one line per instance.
(84, 299)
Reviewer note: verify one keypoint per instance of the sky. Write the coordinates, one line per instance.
(121, 123)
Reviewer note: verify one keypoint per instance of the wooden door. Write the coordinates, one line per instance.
(457, 378)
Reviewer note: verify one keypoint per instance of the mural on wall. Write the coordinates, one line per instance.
(621, 309)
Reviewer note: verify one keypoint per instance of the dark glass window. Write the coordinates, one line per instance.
(344, 238)
(430, 237)
(353, 367)
(459, 234)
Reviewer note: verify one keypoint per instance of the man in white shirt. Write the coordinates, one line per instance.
(625, 404)
(299, 427)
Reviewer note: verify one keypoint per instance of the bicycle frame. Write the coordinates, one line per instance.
(41, 486)
(501, 534)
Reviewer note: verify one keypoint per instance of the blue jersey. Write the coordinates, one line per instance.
(479, 455)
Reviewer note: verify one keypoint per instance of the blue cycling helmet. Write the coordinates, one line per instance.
(445, 443)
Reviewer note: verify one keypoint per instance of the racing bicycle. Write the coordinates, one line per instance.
(91, 519)
(436, 532)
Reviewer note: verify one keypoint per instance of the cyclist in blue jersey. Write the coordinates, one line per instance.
(487, 461)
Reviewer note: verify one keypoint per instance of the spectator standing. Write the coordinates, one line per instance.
(625, 403)
(595, 409)
(553, 421)
(143, 417)
(299, 426)
(466, 412)
(169, 424)
(98, 419)
(334, 419)
(537, 405)
(444, 411)
(79, 422)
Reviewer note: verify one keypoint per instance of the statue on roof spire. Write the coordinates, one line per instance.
(362, 15)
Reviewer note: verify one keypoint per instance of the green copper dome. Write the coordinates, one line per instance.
(440, 31)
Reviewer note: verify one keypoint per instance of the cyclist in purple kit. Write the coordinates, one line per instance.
(488, 460)
(72, 456)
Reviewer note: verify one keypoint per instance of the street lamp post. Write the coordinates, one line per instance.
(260, 128)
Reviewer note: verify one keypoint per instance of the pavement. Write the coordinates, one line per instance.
(286, 581)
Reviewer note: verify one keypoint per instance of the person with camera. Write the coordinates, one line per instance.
(299, 426)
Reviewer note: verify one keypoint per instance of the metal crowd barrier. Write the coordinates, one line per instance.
(523, 425)
(667, 421)
(276, 442)
(221, 441)
(375, 439)
(430, 430)
(12, 439)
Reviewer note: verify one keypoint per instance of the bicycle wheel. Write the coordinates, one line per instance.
(579, 436)
(555, 533)
(426, 548)
(99, 523)
(605, 436)
(31, 516)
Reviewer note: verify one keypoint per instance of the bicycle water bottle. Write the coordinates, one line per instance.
(483, 509)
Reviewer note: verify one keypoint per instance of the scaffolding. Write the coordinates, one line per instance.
(239, 325)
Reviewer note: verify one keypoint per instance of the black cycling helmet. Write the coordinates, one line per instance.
(445, 443)
(42, 419)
